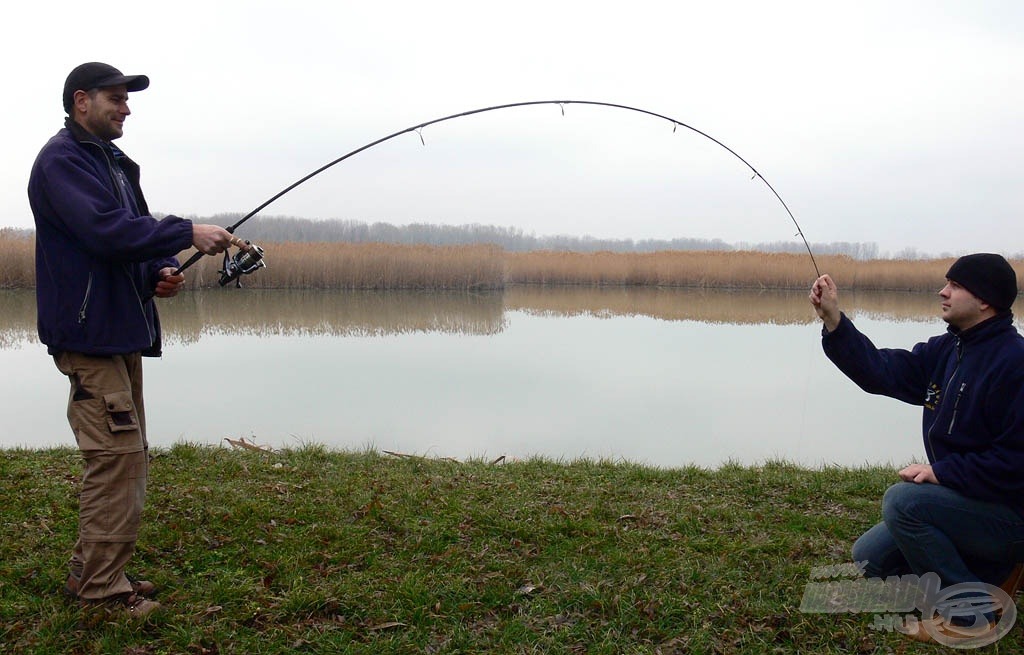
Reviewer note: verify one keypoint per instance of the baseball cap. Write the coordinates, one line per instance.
(97, 75)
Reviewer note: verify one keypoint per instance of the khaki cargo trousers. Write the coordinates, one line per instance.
(106, 414)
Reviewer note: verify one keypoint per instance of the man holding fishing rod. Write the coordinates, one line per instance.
(100, 260)
(961, 515)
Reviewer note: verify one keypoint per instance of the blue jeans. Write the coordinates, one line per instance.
(931, 528)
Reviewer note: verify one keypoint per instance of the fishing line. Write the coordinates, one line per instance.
(562, 104)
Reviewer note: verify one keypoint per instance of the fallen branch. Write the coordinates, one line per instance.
(248, 445)
(408, 456)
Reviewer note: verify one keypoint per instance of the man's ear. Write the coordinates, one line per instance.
(81, 100)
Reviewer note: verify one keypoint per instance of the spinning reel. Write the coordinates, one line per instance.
(246, 261)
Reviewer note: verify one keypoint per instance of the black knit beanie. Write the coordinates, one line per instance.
(988, 276)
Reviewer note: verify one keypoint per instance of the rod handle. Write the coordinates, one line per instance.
(191, 260)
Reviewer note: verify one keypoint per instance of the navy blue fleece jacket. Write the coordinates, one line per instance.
(971, 385)
(98, 251)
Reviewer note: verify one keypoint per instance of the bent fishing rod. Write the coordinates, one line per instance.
(250, 256)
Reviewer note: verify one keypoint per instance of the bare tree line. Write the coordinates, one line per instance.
(279, 229)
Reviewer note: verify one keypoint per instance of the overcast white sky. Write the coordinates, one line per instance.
(891, 122)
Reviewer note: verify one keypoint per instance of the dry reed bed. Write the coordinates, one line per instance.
(365, 266)
(667, 268)
(736, 270)
(392, 266)
(17, 262)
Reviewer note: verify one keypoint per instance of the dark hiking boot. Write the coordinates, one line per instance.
(1013, 583)
(128, 605)
(937, 630)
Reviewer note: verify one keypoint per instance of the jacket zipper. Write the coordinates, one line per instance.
(85, 300)
(88, 285)
(949, 382)
(956, 403)
(119, 183)
(114, 177)
(142, 308)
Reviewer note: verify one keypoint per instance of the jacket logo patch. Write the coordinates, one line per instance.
(932, 398)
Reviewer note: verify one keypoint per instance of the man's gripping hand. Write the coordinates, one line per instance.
(824, 298)
(169, 284)
(210, 239)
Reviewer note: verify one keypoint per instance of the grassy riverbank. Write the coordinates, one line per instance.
(319, 551)
(389, 266)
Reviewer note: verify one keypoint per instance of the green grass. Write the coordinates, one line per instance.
(318, 551)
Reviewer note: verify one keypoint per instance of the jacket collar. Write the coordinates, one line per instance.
(81, 134)
(115, 156)
(987, 328)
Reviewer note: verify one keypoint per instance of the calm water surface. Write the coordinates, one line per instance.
(668, 378)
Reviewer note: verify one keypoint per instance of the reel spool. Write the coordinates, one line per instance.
(246, 261)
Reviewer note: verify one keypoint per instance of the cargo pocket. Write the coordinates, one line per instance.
(120, 411)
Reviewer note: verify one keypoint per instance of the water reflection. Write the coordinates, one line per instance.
(667, 377)
(265, 312)
(17, 318)
(731, 306)
(367, 313)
